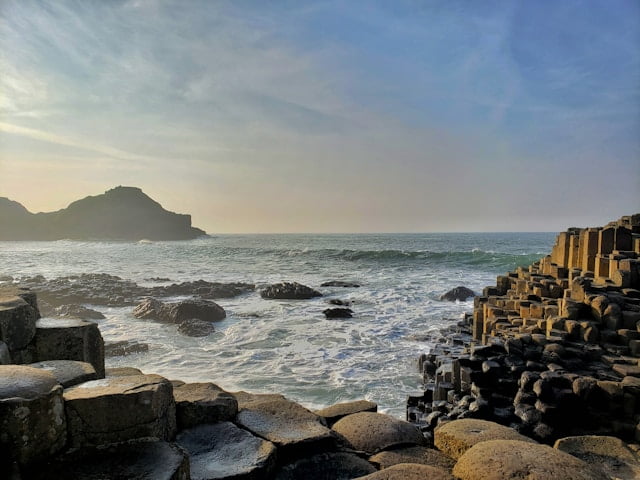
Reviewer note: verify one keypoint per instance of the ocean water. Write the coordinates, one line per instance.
(288, 346)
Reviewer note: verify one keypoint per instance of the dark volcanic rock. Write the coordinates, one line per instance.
(203, 289)
(77, 311)
(458, 293)
(342, 303)
(338, 313)
(195, 328)
(289, 291)
(122, 213)
(340, 283)
(178, 312)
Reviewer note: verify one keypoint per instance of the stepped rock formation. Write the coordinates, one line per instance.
(122, 213)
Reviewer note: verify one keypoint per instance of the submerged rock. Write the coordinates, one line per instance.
(77, 311)
(124, 347)
(458, 293)
(195, 328)
(338, 313)
(340, 283)
(289, 291)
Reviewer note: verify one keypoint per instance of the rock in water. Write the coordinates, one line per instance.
(178, 312)
(77, 311)
(195, 328)
(458, 293)
(340, 283)
(289, 291)
(338, 313)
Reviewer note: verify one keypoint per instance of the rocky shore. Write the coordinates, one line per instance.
(542, 380)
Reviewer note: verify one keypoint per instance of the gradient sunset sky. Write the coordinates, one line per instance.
(327, 116)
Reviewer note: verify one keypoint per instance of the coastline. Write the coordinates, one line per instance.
(498, 367)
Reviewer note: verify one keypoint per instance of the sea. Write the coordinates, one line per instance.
(288, 346)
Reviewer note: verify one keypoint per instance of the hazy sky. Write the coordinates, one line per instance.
(327, 116)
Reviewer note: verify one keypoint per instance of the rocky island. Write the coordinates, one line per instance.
(122, 213)
(541, 381)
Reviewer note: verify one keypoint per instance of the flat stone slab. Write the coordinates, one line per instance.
(117, 409)
(515, 460)
(32, 420)
(138, 460)
(291, 427)
(326, 466)
(373, 432)
(68, 372)
(455, 438)
(608, 454)
(70, 339)
(198, 403)
(335, 412)
(224, 451)
(418, 454)
(410, 471)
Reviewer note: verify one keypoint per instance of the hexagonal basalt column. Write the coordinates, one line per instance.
(32, 420)
(117, 409)
(70, 339)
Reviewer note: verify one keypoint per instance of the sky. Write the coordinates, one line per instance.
(327, 116)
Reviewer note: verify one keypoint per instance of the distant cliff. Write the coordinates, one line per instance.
(122, 213)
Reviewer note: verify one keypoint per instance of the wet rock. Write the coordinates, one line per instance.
(459, 293)
(340, 283)
(77, 311)
(32, 420)
(607, 454)
(117, 409)
(195, 328)
(292, 428)
(289, 291)
(68, 372)
(373, 432)
(335, 412)
(202, 289)
(178, 312)
(224, 451)
(418, 454)
(409, 471)
(131, 460)
(514, 460)
(198, 403)
(455, 438)
(124, 347)
(69, 339)
(341, 303)
(338, 313)
(326, 466)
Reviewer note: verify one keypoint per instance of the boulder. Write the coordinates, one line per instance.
(456, 437)
(178, 312)
(68, 372)
(289, 291)
(124, 347)
(32, 421)
(340, 283)
(335, 412)
(515, 460)
(459, 293)
(195, 328)
(77, 311)
(607, 454)
(198, 403)
(338, 313)
(117, 409)
(373, 432)
(69, 339)
(326, 466)
(418, 454)
(292, 428)
(132, 460)
(224, 451)
(409, 471)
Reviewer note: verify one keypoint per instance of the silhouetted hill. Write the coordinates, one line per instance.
(122, 213)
